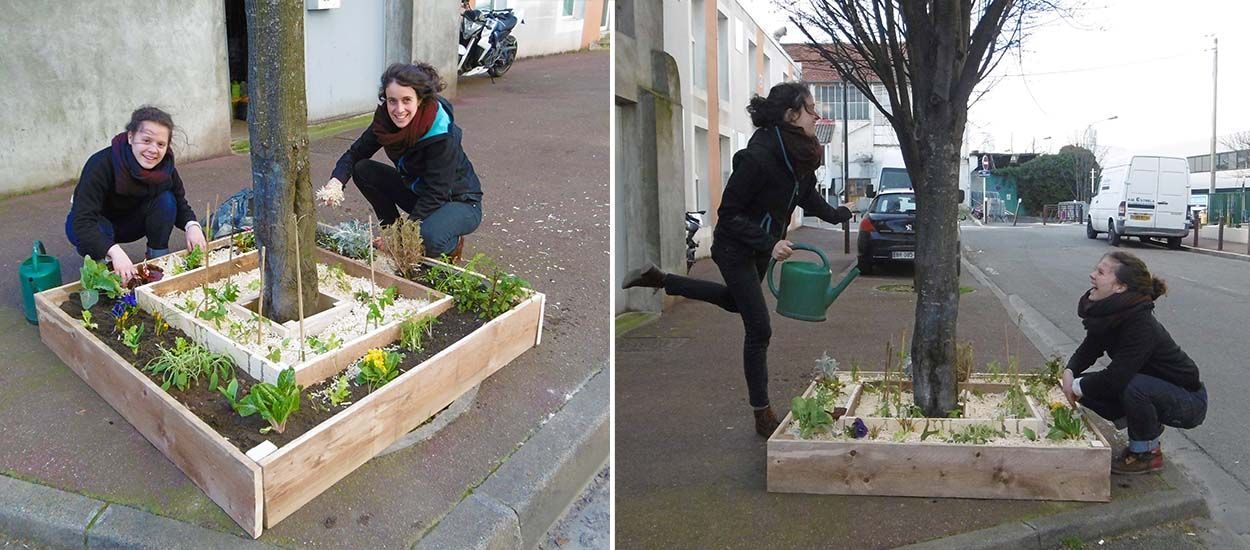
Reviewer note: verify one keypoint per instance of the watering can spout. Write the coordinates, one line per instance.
(836, 290)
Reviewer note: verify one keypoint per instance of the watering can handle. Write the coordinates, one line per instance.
(772, 286)
(36, 250)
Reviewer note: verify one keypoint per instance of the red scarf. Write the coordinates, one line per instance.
(132, 179)
(396, 140)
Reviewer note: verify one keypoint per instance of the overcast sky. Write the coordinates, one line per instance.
(1147, 62)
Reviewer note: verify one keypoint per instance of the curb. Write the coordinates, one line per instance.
(519, 502)
(1099, 521)
(1218, 253)
(61, 519)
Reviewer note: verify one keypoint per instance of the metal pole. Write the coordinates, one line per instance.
(1219, 245)
(1215, 72)
(846, 169)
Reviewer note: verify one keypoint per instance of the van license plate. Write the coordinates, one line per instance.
(908, 255)
(1140, 217)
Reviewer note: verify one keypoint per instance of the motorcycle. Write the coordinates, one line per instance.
(692, 227)
(486, 41)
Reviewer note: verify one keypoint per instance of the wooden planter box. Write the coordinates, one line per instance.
(922, 469)
(260, 493)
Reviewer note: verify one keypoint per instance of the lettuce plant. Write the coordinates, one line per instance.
(95, 278)
(274, 402)
(811, 415)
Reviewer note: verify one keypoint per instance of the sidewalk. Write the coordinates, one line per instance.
(690, 469)
(58, 434)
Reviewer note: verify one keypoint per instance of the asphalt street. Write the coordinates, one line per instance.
(1206, 309)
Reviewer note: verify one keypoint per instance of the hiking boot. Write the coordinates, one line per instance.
(766, 421)
(1131, 463)
(647, 277)
(455, 254)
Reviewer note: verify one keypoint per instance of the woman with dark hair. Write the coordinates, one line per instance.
(1150, 382)
(771, 176)
(129, 191)
(432, 179)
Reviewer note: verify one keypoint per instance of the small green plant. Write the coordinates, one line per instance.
(193, 259)
(189, 304)
(957, 412)
(340, 391)
(811, 415)
(245, 241)
(349, 238)
(159, 325)
(323, 344)
(95, 278)
(827, 375)
(274, 402)
(1029, 433)
(255, 285)
(1052, 375)
(854, 371)
(132, 336)
(1014, 404)
(489, 297)
(414, 331)
(1072, 543)
(1067, 424)
(994, 372)
(336, 275)
(874, 432)
(186, 363)
(87, 322)
(229, 292)
(378, 367)
(926, 433)
(977, 434)
(275, 354)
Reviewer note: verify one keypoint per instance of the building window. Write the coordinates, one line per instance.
(698, 43)
(823, 95)
(828, 98)
(722, 55)
(878, 91)
(568, 8)
(1224, 161)
(1243, 159)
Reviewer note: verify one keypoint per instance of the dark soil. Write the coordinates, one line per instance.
(213, 408)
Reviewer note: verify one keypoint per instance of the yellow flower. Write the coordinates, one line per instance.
(1055, 405)
(376, 358)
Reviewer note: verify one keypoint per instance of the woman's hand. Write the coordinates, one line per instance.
(122, 265)
(849, 205)
(1066, 385)
(195, 237)
(331, 194)
(782, 250)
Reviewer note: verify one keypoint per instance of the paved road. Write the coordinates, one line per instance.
(1207, 310)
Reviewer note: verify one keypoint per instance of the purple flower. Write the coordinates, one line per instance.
(130, 299)
(861, 430)
(119, 308)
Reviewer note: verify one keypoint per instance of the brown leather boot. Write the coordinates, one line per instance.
(455, 254)
(766, 421)
(647, 277)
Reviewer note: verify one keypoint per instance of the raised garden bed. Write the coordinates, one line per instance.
(996, 455)
(260, 479)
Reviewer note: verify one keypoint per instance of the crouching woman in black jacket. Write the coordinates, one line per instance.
(773, 175)
(432, 179)
(1150, 382)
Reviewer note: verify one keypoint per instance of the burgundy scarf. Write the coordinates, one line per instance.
(805, 151)
(129, 178)
(396, 140)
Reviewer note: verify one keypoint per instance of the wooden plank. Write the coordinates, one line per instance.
(937, 470)
(226, 475)
(304, 468)
(407, 288)
(198, 277)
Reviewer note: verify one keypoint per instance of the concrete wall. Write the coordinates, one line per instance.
(344, 55)
(647, 203)
(435, 34)
(73, 72)
(546, 29)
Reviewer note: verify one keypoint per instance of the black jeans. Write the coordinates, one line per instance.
(154, 220)
(1149, 403)
(743, 271)
(385, 190)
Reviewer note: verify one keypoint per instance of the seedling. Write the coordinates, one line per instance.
(87, 322)
(183, 365)
(325, 344)
(378, 368)
(96, 278)
(194, 258)
(131, 337)
(275, 354)
(488, 299)
(1015, 405)
(827, 375)
(977, 434)
(413, 332)
(245, 241)
(340, 391)
(1067, 424)
(811, 415)
(339, 277)
(274, 402)
(159, 326)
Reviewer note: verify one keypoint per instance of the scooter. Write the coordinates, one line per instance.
(486, 41)
(692, 226)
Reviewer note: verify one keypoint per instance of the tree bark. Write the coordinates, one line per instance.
(278, 134)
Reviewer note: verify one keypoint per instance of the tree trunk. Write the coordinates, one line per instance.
(937, 262)
(278, 132)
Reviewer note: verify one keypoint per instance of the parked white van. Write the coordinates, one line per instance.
(1144, 198)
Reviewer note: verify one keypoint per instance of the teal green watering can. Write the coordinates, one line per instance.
(805, 287)
(39, 272)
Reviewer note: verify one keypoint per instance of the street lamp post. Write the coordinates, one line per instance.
(1090, 145)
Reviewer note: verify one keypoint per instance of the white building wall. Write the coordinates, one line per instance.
(546, 29)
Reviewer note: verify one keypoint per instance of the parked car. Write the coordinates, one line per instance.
(1145, 198)
(887, 231)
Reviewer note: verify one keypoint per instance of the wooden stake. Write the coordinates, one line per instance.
(372, 284)
(260, 302)
(208, 232)
(299, 286)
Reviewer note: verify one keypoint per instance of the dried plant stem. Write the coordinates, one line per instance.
(260, 301)
(372, 283)
(299, 286)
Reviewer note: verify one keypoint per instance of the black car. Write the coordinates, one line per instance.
(887, 231)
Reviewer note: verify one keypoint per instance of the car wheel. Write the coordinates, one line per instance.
(1089, 229)
(865, 265)
(1113, 238)
(1174, 243)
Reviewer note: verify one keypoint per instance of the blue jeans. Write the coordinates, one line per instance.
(385, 191)
(441, 230)
(153, 220)
(1148, 404)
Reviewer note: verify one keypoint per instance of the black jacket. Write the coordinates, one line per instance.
(762, 193)
(435, 168)
(97, 196)
(1136, 343)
